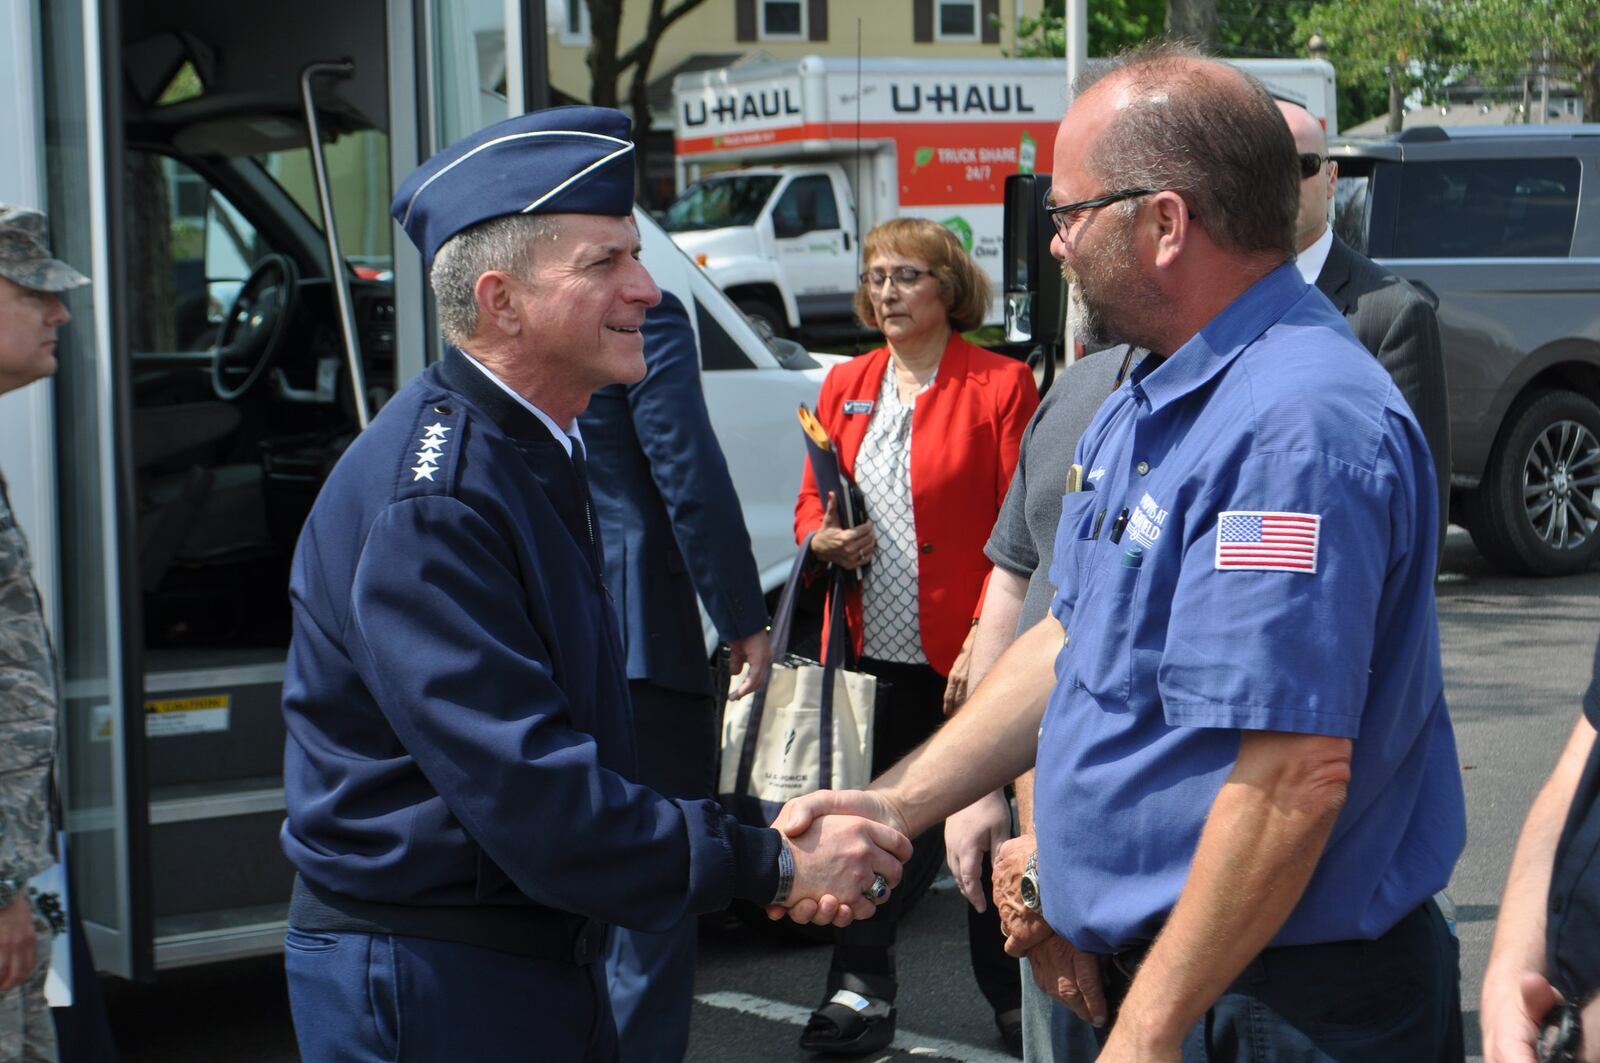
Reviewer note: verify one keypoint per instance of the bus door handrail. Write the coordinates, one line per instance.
(336, 269)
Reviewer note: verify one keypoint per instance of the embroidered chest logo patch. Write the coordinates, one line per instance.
(432, 446)
(1146, 522)
(1268, 541)
(857, 406)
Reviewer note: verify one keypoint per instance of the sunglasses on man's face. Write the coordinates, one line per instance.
(1311, 164)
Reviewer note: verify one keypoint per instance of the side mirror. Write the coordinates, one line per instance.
(1035, 293)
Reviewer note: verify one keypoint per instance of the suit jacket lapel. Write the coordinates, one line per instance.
(1335, 276)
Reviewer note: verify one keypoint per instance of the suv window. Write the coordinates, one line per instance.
(1352, 202)
(1496, 208)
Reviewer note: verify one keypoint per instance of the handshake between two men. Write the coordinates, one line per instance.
(993, 740)
(817, 822)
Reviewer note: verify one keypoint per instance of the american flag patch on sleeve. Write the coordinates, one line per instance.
(1268, 541)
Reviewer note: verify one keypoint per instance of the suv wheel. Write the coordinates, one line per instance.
(1537, 511)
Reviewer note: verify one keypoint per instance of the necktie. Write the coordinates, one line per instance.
(580, 466)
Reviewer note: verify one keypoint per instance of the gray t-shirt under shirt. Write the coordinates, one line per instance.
(1024, 535)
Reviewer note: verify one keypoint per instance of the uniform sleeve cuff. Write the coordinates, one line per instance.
(756, 864)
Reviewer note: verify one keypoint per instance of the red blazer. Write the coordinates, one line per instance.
(965, 434)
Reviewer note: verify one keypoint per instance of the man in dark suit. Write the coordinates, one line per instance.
(1386, 314)
(671, 525)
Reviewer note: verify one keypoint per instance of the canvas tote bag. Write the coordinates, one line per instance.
(809, 728)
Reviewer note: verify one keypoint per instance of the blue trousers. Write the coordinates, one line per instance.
(368, 998)
(652, 975)
(1394, 999)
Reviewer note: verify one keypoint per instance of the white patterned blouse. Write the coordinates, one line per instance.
(890, 625)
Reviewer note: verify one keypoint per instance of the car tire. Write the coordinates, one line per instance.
(1537, 511)
(767, 319)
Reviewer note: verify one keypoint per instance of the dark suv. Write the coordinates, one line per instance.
(1500, 229)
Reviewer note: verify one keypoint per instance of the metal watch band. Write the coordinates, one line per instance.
(785, 872)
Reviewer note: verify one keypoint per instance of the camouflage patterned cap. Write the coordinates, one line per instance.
(25, 257)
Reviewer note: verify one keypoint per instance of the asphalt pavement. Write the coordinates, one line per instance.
(1517, 655)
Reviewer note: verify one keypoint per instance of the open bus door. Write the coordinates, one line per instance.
(207, 383)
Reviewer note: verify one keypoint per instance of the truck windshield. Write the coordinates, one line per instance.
(720, 201)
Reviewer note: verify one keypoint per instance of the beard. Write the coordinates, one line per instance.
(1110, 299)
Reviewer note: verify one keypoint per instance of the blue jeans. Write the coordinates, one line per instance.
(1051, 1033)
(1394, 999)
(365, 998)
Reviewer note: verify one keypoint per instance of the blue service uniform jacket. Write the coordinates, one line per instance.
(457, 707)
(672, 520)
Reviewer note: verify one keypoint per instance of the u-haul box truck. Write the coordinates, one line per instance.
(827, 148)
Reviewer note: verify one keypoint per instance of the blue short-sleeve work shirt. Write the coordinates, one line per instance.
(1254, 549)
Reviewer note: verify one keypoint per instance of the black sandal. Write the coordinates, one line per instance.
(849, 1024)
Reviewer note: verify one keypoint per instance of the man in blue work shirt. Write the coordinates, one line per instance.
(1247, 790)
(459, 763)
(672, 526)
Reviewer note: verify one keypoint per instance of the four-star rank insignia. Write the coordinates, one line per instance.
(430, 450)
(427, 466)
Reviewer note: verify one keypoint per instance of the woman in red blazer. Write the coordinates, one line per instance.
(928, 427)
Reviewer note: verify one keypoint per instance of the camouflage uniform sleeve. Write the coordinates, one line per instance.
(27, 712)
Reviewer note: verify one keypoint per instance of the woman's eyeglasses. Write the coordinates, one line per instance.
(903, 276)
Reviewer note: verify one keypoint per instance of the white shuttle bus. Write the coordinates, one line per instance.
(232, 344)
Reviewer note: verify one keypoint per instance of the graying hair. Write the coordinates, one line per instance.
(1218, 141)
(504, 243)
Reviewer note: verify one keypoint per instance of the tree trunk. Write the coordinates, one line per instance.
(1194, 21)
(1397, 113)
(1589, 82)
(605, 22)
(639, 103)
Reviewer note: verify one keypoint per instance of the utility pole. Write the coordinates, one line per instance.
(1076, 29)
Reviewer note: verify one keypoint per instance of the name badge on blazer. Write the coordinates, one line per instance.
(857, 406)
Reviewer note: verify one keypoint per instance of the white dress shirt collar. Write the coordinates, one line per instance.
(1313, 258)
(564, 436)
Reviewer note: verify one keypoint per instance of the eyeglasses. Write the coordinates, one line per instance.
(903, 276)
(1311, 164)
(1061, 217)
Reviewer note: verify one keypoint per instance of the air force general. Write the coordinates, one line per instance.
(459, 762)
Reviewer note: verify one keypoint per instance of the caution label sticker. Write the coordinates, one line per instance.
(186, 716)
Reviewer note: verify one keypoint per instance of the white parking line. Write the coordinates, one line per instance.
(908, 1041)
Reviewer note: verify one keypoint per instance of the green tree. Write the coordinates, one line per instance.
(1397, 46)
(1113, 26)
(1506, 41)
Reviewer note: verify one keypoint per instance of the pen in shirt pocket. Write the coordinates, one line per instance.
(1119, 525)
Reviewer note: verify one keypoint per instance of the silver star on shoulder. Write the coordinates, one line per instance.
(428, 455)
(424, 472)
(437, 430)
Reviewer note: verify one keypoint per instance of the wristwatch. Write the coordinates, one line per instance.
(785, 871)
(1028, 884)
(9, 888)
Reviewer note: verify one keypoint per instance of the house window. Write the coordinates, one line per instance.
(957, 20)
(783, 20)
(574, 21)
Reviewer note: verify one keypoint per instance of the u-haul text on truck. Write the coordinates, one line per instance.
(817, 140)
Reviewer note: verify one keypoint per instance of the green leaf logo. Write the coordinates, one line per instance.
(959, 225)
(921, 159)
